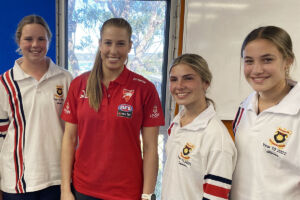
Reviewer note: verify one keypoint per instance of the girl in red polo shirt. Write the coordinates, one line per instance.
(105, 112)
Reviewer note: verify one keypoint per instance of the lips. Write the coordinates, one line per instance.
(259, 79)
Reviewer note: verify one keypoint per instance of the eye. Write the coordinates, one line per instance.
(42, 39)
(121, 43)
(267, 60)
(107, 42)
(28, 39)
(173, 79)
(188, 78)
(248, 61)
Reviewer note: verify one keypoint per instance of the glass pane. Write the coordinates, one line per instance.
(147, 18)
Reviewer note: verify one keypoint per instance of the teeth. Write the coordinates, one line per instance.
(181, 94)
(113, 59)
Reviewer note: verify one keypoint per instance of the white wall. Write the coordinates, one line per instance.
(215, 29)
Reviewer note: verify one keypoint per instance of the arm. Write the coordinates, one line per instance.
(150, 158)
(67, 159)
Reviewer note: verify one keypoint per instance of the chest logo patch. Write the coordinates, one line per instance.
(125, 110)
(59, 95)
(127, 94)
(187, 149)
(280, 138)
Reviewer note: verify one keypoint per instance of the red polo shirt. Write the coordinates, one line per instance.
(108, 161)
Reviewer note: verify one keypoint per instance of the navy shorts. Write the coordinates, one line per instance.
(80, 196)
(50, 193)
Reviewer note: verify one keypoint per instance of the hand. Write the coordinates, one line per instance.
(66, 196)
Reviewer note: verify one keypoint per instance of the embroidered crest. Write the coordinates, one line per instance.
(187, 149)
(59, 91)
(280, 138)
(127, 94)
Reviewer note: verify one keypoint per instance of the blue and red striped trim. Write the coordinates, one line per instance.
(237, 119)
(216, 190)
(19, 122)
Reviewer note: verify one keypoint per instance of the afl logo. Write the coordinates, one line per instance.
(125, 110)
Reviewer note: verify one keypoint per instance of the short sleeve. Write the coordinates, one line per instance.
(69, 112)
(4, 119)
(218, 175)
(153, 114)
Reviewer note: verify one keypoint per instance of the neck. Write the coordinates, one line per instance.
(110, 75)
(269, 99)
(36, 70)
(191, 112)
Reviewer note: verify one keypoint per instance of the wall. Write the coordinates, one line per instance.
(11, 12)
(216, 29)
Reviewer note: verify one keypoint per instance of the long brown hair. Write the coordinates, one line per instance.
(94, 89)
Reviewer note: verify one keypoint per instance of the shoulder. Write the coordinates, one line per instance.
(61, 71)
(81, 79)
(219, 136)
(140, 80)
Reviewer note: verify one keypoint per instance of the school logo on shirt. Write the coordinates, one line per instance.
(125, 110)
(187, 149)
(59, 95)
(127, 94)
(184, 155)
(280, 138)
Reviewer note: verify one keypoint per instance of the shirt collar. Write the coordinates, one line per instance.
(123, 77)
(288, 105)
(19, 74)
(200, 122)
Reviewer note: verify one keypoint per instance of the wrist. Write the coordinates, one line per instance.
(149, 196)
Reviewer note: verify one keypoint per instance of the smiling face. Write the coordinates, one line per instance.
(115, 45)
(264, 66)
(34, 43)
(187, 87)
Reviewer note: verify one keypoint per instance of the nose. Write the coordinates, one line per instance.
(113, 48)
(257, 68)
(180, 84)
(35, 43)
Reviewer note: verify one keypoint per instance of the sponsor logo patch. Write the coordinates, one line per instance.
(125, 110)
(155, 113)
(67, 109)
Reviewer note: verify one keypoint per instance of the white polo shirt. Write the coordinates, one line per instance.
(30, 128)
(200, 161)
(268, 144)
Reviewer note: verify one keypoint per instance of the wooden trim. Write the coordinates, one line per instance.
(180, 41)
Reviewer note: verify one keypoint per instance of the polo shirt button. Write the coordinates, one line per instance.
(108, 96)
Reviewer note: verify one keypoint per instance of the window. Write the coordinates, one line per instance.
(150, 23)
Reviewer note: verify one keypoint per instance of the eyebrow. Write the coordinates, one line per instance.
(186, 75)
(263, 56)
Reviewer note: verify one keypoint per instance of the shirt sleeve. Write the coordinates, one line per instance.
(218, 176)
(4, 106)
(153, 114)
(69, 113)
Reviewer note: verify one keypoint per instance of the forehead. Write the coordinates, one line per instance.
(115, 33)
(182, 69)
(260, 47)
(33, 29)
